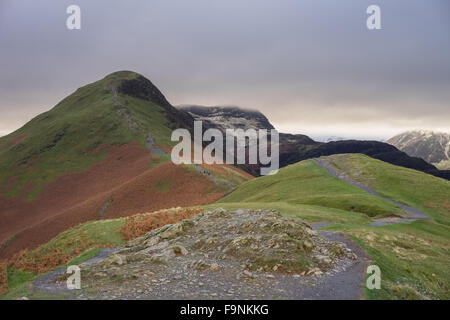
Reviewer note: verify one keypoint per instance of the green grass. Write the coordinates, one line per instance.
(7, 242)
(308, 213)
(234, 177)
(88, 118)
(163, 185)
(101, 231)
(414, 265)
(98, 233)
(306, 183)
(404, 185)
(413, 257)
(19, 282)
(149, 118)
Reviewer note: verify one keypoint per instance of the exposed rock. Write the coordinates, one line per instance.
(242, 245)
(115, 259)
(179, 250)
(214, 267)
(171, 231)
(199, 265)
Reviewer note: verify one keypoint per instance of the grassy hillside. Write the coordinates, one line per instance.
(413, 257)
(306, 183)
(77, 245)
(102, 152)
(407, 186)
(62, 139)
(70, 247)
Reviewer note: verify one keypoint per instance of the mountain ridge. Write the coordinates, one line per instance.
(432, 146)
(101, 152)
(298, 147)
(228, 117)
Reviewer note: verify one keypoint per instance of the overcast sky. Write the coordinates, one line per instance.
(311, 66)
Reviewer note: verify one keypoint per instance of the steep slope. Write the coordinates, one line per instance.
(306, 183)
(100, 152)
(64, 139)
(433, 147)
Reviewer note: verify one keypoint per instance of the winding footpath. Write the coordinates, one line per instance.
(415, 214)
(178, 278)
(345, 283)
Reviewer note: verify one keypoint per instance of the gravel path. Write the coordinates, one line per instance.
(348, 284)
(415, 214)
(320, 225)
(150, 145)
(344, 279)
(49, 284)
(223, 277)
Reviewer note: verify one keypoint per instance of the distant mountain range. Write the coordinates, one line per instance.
(231, 117)
(298, 147)
(329, 139)
(433, 147)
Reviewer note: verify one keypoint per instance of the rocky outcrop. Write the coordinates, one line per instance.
(228, 117)
(217, 250)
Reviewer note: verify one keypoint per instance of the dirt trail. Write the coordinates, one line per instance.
(151, 145)
(217, 265)
(415, 214)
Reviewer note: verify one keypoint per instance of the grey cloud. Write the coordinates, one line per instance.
(309, 65)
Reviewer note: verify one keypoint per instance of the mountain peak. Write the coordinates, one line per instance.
(136, 85)
(123, 74)
(229, 117)
(431, 146)
(423, 132)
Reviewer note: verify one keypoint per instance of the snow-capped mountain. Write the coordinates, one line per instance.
(328, 138)
(229, 117)
(434, 147)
